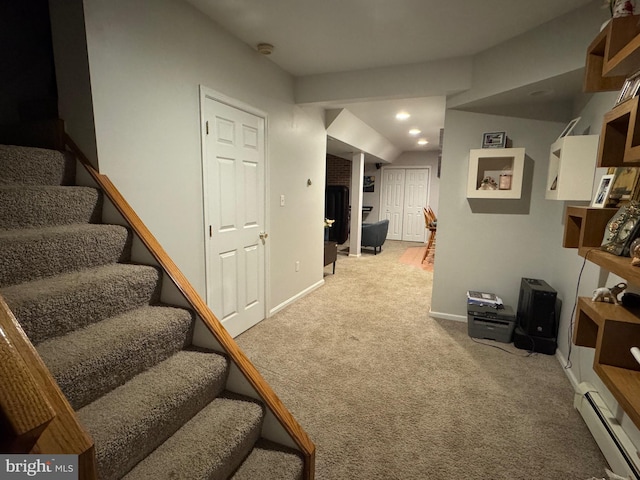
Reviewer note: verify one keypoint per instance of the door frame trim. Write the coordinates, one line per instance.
(209, 93)
(400, 167)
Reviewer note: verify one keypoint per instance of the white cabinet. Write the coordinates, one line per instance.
(572, 165)
(504, 166)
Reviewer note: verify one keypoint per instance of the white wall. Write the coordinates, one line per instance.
(491, 247)
(146, 64)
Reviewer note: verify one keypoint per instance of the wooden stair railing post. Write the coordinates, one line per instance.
(25, 410)
(63, 434)
(237, 356)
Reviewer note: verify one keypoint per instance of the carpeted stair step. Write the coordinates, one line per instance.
(131, 421)
(57, 305)
(270, 461)
(44, 206)
(90, 362)
(35, 166)
(211, 445)
(29, 254)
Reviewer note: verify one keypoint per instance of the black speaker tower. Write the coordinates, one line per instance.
(537, 323)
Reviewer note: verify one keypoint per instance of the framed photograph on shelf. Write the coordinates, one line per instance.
(569, 128)
(602, 192)
(624, 184)
(629, 89)
(494, 140)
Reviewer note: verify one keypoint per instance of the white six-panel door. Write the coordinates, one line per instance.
(415, 198)
(234, 174)
(393, 201)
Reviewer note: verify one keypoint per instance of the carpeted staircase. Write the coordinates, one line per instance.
(155, 405)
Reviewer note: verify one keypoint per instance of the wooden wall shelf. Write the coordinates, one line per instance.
(613, 55)
(577, 218)
(620, 137)
(612, 330)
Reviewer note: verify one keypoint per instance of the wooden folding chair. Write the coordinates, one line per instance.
(430, 223)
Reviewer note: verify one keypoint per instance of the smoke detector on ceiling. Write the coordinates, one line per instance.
(265, 48)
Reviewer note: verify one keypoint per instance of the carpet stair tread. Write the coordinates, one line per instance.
(29, 254)
(105, 355)
(211, 445)
(57, 305)
(31, 206)
(269, 461)
(129, 422)
(35, 166)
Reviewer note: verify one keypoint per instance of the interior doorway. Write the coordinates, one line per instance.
(404, 193)
(233, 166)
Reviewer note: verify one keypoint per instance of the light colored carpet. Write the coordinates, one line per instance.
(386, 392)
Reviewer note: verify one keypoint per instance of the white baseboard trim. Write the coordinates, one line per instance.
(448, 316)
(567, 371)
(296, 297)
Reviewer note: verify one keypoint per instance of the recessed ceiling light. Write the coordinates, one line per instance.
(423, 141)
(415, 131)
(265, 48)
(402, 115)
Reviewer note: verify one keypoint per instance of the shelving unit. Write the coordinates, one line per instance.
(620, 137)
(576, 235)
(610, 329)
(493, 162)
(572, 164)
(613, 55)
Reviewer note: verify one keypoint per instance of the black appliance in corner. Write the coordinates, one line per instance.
(336, 207)
(537, 317)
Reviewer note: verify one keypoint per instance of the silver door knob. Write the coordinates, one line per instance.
(263, 235)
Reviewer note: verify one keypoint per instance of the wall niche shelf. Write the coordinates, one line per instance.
(610, 329)
(494, 162)
(620, 137)
(572, 164)
(613, 55)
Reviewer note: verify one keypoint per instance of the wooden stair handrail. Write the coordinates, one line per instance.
(24, 408)
(63, 434)
(237, 356)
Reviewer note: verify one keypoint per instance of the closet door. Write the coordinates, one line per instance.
(415, 199)
(393, 201)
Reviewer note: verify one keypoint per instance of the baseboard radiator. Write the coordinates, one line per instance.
(614, 443)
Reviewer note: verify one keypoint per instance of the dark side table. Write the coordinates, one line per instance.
(330, 254)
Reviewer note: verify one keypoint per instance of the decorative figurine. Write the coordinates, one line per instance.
(488, 183)
(609, 295)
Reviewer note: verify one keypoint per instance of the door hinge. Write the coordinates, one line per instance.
(210, 231)
(207, 126)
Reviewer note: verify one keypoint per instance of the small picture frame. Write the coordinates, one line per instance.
(369, 183)
(494, 140)
(629, 89)
(569, 128)
(624, 183)
(602, 192)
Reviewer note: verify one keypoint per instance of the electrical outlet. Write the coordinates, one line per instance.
(297, 265)
(282, 200)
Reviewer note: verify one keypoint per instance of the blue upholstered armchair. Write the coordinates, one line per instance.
(374, 235)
